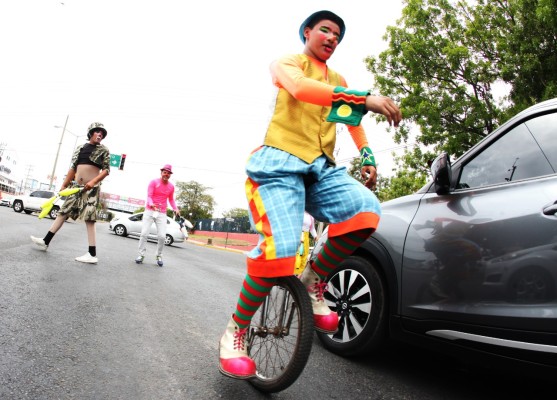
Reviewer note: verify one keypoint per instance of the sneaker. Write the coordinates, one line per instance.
(139, 260)
(159, 261)
(39, 242)
(233, 355)
(87, 258)
(324, 319)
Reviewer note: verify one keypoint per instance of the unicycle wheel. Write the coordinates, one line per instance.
(281, 335)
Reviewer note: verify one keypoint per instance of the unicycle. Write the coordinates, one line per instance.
(280, 335)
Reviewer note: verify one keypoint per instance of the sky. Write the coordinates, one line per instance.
(174, 82)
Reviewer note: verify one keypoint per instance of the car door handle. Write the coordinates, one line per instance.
(551, 210)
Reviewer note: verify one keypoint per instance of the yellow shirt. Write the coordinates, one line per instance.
(303, 102)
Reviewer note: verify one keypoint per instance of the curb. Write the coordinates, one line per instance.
(212, 246)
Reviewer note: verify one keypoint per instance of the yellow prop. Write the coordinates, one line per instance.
(69, 192)
(47, 205)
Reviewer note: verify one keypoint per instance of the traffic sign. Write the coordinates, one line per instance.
(115, 160)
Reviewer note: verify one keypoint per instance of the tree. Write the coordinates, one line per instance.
(355, 170)
(441, 76)
(236, 213)
(524, 33)
(193, 200)
(445, 57)
(237, 220)
(405, 180)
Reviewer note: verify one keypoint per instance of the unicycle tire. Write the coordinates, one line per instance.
(281, 335)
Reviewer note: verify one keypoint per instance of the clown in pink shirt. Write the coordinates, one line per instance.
(159, 192)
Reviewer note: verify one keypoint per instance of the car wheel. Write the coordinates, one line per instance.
(18, 206)
(120, 230)
(168, 240)
(356, 292)
(53, 213)
(530, 285)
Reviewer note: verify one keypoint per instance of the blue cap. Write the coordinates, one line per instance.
(318, 16)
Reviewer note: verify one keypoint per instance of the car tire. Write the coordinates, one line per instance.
(362, 319)
(120, 230)
(18, 206)
(168, 240)
(529, 285)
(53, 213)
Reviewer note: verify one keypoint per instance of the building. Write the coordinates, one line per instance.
(8, 171)
(119, 203)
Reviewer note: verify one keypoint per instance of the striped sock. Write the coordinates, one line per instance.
(337, 249)
(253, 293)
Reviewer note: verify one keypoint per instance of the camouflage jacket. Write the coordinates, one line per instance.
(99, 156)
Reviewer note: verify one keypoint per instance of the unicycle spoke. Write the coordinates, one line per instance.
(281, 335)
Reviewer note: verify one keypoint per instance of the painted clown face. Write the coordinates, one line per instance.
(322, 39)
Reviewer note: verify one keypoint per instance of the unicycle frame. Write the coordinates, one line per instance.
(281, 332)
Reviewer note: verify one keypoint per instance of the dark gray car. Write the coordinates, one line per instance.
(468, 264)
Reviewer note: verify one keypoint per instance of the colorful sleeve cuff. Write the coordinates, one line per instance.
(367, 157)
(349, 106)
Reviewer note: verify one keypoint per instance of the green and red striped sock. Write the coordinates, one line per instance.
(253, 293)
(337, 249)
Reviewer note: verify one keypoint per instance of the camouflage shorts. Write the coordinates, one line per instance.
(82, 205)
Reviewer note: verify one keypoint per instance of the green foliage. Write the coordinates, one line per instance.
(355, 170)
(110, 216)
(235, 213)
(524, 33)
(194, 201)
(443, 61)
(404, 182)
(440, 76)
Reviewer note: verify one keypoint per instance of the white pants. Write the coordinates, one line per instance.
(150, 217)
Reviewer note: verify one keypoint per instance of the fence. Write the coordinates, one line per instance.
(237, 225)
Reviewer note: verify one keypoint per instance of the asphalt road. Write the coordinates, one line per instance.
(118, 330)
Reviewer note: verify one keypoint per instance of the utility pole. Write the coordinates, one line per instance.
(57, 153)
(29, 170)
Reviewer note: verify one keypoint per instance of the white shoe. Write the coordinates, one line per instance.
(39, 242)
(324, 319)
(87, 258)
(234, 360)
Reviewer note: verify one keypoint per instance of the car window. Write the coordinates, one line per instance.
(137, 217)
(544, 130)
(514, 156)
(41, 194)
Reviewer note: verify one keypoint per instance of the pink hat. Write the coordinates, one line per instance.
(167, 167)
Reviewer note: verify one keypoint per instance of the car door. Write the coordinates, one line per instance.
(153, 230)
(135, 222)
(485, 255)
(137, 225)
(37, 198)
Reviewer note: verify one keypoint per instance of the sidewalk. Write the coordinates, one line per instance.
(237, 249)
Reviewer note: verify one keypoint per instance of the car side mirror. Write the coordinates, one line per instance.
(441, 173)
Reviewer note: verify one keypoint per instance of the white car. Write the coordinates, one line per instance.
(34, 201)
(5, 202)
(131, 226)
